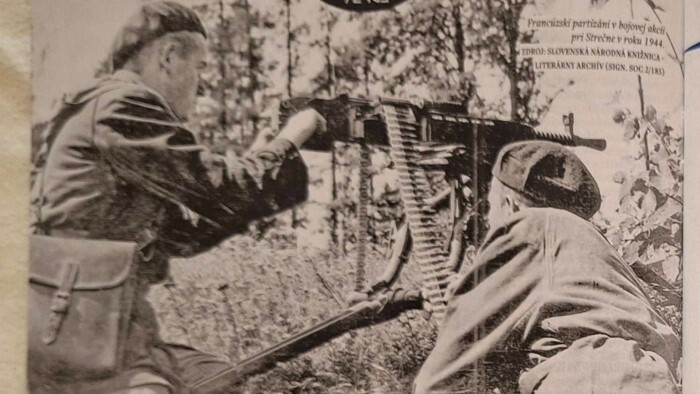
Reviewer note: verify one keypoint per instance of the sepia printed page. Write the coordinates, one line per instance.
(690, 279)
(345, 196)
(15, 111)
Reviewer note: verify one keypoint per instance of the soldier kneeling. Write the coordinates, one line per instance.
(548, 306)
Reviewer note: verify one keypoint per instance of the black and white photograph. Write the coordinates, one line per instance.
(356, 196)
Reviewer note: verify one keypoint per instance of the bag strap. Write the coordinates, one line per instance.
(67, 109)
(60, 302)
(55, 125)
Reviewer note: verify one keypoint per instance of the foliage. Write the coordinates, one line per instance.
(421, 52)
(239, 92)
(248, 294)
(647, 230)
(649, 227)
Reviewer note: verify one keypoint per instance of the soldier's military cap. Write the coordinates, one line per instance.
(151, 21)
(550, 175)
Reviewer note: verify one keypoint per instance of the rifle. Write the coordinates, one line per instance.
(380, 308)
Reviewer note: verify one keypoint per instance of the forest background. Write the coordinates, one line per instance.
(297, 268)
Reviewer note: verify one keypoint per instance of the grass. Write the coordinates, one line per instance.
(248, 294)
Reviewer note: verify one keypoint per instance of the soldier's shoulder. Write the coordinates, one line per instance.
(122, 93)
(132, 96)
(548, 214)
(534, 221)
(565, 225)
(133, 109)
(530, 217)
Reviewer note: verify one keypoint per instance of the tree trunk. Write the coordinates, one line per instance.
(465, 88)
(290, 42)
(514, 94)
(223, 50)
(330, 68)
(290, 75)
(511, 20)
(331, 93)
(334, 197)
(253, 69)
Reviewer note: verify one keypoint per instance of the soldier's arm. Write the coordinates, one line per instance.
(145, 145)
(260, 184)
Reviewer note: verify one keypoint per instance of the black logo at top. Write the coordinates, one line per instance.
(364, 5)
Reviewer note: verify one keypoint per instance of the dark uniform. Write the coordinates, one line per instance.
(549, 306)
(122, 166)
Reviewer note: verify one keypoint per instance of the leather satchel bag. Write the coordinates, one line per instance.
(80, 297)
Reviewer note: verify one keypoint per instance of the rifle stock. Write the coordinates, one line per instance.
(385, 307)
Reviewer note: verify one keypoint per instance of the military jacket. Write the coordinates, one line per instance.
(541, 282)
(118, 164)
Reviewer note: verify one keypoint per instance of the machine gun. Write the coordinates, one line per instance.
(420, 136)
(433, 135)
(359, 120)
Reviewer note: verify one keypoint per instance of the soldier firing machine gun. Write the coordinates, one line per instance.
(420, 138)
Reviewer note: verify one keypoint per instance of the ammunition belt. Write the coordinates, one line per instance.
(362, 215)
(404, 137)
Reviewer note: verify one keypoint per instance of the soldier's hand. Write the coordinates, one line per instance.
(356, 297)
(263, 138)
(452, 286)
(427, 310)
(303, 125)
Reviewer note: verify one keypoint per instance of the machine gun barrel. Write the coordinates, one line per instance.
(383, 307)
